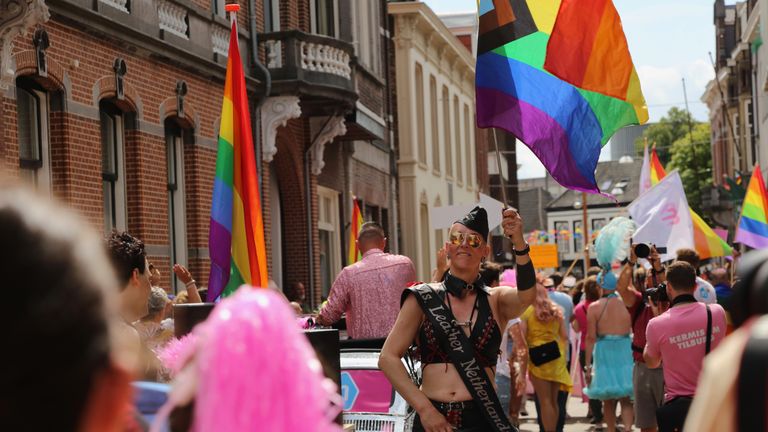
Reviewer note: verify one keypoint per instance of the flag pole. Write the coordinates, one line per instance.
(232, 8)
(498, 166)
(585, 231)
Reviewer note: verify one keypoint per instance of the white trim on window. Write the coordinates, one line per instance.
(114, 194)
(39, 173)
(177, 221)
(330, 245)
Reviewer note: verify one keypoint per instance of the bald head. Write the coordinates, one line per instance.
(719, 275)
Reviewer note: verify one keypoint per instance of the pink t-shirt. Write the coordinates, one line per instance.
(580, 315)
(679, 335)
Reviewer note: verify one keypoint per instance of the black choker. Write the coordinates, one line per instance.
(683, 298)
(458, 287)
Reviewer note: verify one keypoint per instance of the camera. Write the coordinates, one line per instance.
(643, 250)
(658, 294)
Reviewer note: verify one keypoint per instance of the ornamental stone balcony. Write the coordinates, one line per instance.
(315, 68)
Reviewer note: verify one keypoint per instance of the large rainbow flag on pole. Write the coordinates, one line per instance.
(353, 253)
(753, 223)
(558, 75)
(236, 236)
(708, 244)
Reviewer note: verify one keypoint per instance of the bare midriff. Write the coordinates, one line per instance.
(443, 384)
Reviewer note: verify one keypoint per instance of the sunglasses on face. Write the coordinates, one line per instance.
(473, 240)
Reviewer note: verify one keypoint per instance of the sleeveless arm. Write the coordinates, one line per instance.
(400, 338)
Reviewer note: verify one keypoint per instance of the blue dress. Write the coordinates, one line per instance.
(612, 366)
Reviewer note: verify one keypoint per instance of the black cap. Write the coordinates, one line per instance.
(476, 220)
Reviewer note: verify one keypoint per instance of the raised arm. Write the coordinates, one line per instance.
(400, 338)
(514, 302)
(185, 277)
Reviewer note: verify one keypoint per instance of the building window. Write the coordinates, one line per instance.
(324, 13)
(597, 225)
(177, 233)
(434, 129)
(368, 36)
(561, 234)
(420, 127)
(468, 144)
(457, 137)
(329, 231)
(271, 15)
(112, 166)
(578, 236)
(447, 133)
(32, 109)
(218, 8)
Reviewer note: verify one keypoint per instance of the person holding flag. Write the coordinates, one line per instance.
(368, 291)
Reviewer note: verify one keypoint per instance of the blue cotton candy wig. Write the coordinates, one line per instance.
(612, 244)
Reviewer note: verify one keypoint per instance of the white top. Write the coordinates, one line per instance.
(502, 364)
(705, 292)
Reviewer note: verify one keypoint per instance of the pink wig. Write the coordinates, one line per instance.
(251, 369)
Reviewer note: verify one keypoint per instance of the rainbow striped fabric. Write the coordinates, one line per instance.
(236, 236)
(753, 223)
(558, 75)
(707, 243)
(353, 253)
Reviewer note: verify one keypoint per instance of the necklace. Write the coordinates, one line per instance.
(468, 323)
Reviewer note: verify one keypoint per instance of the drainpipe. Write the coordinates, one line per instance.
(394, 236)
(266, 81)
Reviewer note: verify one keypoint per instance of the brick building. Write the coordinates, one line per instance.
(113, 106)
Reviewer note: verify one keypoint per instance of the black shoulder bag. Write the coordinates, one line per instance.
(462, 354)
(671, 416)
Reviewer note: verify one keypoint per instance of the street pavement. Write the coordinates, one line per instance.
(578, 422)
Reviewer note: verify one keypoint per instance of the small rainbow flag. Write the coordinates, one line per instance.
(236, 236)
(707, 243)
(353, 254)
(558, 75)
(657, 169)
(753, 223)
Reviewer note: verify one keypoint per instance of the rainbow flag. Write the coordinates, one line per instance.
(353, 253)
(558, 75)
(707, 243)
(657, 170)
(753, 223)
(236, 236)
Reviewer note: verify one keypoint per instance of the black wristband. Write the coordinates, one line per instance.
(523, 252)
(526, 276)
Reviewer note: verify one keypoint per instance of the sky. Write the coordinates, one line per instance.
(668, 40)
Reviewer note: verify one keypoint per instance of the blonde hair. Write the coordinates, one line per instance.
(543, 307)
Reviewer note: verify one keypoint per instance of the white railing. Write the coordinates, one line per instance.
(173, 18)
(220, 41)
(324, 58)
(274, 52)
(121, 5)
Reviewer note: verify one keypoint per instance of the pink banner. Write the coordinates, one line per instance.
(366, 391)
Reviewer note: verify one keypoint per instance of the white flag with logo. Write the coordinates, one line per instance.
(645, 172)
(662, 216)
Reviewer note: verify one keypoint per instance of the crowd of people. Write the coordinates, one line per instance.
(92, 318)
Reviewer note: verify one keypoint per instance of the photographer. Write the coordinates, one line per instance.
(681, 337)
(648, 383)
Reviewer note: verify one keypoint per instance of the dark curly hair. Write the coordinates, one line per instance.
(57, 338)
(126, 253)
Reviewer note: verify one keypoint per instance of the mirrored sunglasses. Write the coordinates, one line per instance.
(473, 240)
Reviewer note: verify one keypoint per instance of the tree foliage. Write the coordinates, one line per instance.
(666, 132)
(694, 162)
